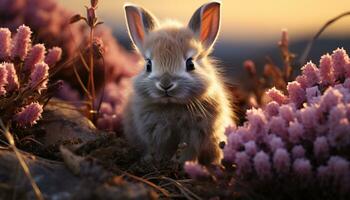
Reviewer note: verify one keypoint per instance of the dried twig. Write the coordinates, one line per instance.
(307, 50)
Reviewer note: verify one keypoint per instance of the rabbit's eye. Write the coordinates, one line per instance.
(148, 65)
(189, 64)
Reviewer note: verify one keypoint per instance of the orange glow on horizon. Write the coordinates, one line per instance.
(249, 21)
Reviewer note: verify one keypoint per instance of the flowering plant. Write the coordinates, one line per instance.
(24, 76)
(302, 137)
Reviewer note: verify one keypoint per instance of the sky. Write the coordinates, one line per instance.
(249, 21)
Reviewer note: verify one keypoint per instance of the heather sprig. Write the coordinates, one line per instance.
(301, 136)
(24, 77)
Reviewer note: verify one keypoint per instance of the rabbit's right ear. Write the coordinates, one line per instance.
(139, 23)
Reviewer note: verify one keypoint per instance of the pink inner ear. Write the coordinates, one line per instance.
(136, 26)
(210, 23)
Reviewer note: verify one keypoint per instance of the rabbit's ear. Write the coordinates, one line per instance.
(205, 23)
(139, 23)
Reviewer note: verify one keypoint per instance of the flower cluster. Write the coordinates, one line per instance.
(304, 134)
(24, 74)
(59, 32)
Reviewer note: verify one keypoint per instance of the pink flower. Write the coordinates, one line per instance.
(271, 109)
(296, 93)
(339, 135)
(29, 115)
(302, 80)
(277, 125)
(249, 65)
(311, 93)
(326, 70)
(39, 77)
(298, 151)
(262, 165)
(309, 117)
(287, 112)
(275, 143)
(195, 171)
(12, 78)
(5, 42)
(276, 95)
(53, 56)
(245, 133)
(281, 161)
(36, 55)
(21, 42)
(321, 147)
(330, 98)
(340, 59)
(244, 166)
(250, 148)
(310, 71)
(234, 141)
(302, 168)
(3, 79)
(336, 114)
(339, 168)
(257, 121)
(296, 131)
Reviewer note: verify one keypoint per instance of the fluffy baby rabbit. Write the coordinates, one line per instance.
(179, 96)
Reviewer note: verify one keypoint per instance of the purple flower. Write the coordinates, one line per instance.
(12, 78)
(271, 109)
(257, 121)
(276, 95)
(39, 77)
(311, 93)
(339, 168)
(36, 55)
(281, 161)
(287, 112)
(195, 171)
(340, 59)
(29, 115)
(296, 131)
(302, 168)
(330, 98)
(326, 70)
(21, 42)
(298, 151)
(3, 79)
(321, 148)
(310, 71)
(250, 148)
(5, 43)
(53, 56)
(262, 165)
(277, 125)
(275, 143)
(296, 93)
(243, 163)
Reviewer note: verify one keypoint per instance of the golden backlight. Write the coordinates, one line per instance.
(248, 21)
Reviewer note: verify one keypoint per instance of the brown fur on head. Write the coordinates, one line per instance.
(177, 69)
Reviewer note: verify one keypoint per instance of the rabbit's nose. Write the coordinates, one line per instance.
(165, 87)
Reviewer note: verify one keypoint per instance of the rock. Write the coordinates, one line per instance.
(57, 182)
(63, 122)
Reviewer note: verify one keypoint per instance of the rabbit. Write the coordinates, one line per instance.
(179, 96)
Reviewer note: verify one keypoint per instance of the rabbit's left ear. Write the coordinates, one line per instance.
(139, 22)
(205, 23)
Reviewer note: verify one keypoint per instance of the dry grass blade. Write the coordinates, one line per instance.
(24, 166)
(162, 190)
(307, 50)
(185, 191)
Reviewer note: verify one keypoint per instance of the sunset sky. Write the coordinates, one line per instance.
(244, 21)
